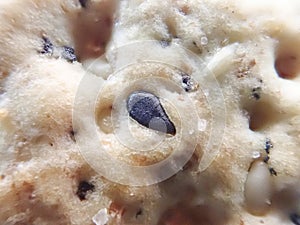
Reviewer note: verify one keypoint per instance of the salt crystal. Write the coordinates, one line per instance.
(101, 218)
(204, 40)
(202, 125)
(255, 155)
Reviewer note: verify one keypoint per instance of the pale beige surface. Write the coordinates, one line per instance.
(41, 164)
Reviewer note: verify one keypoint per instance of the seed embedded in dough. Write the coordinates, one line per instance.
(68, 53)
(48, 47)
(146, 109)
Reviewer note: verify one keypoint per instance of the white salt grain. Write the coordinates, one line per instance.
(101, 218)
(204, 41)
(202, 125)
(255, 154)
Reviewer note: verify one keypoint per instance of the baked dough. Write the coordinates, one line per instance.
(250, 50)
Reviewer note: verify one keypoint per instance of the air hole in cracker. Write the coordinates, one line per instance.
(287, 63)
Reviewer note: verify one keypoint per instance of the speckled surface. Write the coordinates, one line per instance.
(251, 47)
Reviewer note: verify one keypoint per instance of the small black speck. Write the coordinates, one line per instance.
(69, 54)
(268, 145)
(139, 213)
(266, 159)
(47, 46)
(165, 43)
(187, 83)
(51, 144)
(186, 79)
(83, 188)
(256, 96)
(83, 3)
(273, 172)
(295, 218)
(256, 93)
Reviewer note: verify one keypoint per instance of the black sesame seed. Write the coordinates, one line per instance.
(266, 159)
(47, 46)
(146, 109)
(83, 188)
(273, 172)
(295, 218)
(256, 93)
(68, 53)
(268, 145)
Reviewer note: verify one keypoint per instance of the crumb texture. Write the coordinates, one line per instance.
(252, 49)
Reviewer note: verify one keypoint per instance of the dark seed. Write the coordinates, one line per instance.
(256, 93)
(47, 46)
(295, 218)
(83, 3)
(273, 172)
(146, 109)
(188, 83)
(266, 159)
(268, 146)
(83, 188)
(69, 54)
(256, 96)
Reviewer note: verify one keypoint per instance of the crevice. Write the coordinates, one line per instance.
(262, 114)
(287, 62)
(92, 28)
